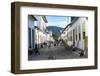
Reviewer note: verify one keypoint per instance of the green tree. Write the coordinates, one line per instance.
(55, 36)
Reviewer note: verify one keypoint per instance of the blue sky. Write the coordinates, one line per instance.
(59, 21)
(55, 18)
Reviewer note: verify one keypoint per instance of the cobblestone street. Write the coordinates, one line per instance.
(58, 52)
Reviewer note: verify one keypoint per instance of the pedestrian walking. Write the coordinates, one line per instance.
(36, 50)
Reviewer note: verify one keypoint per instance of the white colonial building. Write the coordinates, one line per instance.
(49, 37)
(40, 30)
(38, 34)
(76, 33)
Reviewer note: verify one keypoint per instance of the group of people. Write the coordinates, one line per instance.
(49, 44)
(57, 43)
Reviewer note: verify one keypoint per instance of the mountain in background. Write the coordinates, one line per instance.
(55, 29)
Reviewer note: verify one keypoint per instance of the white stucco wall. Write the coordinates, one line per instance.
(77, 24)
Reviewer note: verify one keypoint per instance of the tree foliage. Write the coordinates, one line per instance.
(55, 36)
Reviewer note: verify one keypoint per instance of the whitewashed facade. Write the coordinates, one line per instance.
(40, 31)
(49, 37)
(76, 33)
(38, 35)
